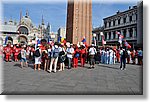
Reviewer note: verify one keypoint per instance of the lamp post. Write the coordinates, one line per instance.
(94, 36)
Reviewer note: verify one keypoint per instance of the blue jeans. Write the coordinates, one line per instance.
(106, 59)
(110, 60)
(69, 62)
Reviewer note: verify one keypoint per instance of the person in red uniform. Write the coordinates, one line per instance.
(76, 56)
(43, 48)
(16, 52)
(118, 55)
(8, 52)
(83, 55)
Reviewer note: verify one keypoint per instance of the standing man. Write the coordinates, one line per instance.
(70, 51)
(92, 52)
(110, 56)
(123, 55)
(140, 56)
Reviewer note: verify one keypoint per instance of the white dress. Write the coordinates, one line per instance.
(38, 59)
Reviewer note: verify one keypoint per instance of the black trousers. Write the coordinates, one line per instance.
(123, 61)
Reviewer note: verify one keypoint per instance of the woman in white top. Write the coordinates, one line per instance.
(38, 60)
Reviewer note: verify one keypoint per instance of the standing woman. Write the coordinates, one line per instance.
(49, 53)
(62, 57)
(37, 55)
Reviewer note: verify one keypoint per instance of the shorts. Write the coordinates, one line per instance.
(23, 59)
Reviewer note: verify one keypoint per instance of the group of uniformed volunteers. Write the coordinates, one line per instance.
(60, 56)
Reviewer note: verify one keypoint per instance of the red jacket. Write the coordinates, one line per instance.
(8, 50)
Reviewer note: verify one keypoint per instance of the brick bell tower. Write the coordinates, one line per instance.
(79, 21)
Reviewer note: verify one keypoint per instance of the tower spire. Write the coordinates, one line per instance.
(20, 15)
(42, 20)
(27, 13)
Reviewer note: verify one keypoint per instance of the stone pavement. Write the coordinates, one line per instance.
(104, 79)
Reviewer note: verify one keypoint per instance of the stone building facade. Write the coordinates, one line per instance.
(129, 23)
(23, 31)
(123, 22)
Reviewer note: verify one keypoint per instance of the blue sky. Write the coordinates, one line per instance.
(55, 13)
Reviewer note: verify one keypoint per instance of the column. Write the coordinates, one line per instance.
(134, 33)
(116, 22)
(116, 36)
(127, 33)
(134, 17)
(107, 35)
(121, 20)
(111, 35)
(127, 19)
(121, 32)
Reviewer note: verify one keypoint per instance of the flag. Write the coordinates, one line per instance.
(59, 39)
(84, 41)
(127, 44)
(120, 37)
(6, 39)
(37, 41)
(49, 40)
(103, 41)
(64, 41)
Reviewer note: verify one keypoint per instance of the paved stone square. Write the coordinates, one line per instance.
(103, 79)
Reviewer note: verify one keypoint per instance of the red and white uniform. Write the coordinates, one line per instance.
(83, 56)
(75, 59)
(16, 53)
(7, 52)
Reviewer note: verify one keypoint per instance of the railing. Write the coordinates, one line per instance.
(121, 25)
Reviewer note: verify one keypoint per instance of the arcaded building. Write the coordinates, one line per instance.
(79, 21)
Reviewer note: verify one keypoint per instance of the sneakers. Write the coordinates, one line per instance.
(122, 68)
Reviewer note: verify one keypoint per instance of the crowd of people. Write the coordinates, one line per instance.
(58, 56)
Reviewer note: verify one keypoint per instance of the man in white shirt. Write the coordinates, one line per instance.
(92, 52)
(110, 56)
(70, 51)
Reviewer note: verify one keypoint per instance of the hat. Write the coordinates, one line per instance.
(56, 46)
(39, 45)
(92, 45)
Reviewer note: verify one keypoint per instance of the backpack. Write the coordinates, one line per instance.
(61, 53)
(19, 56)
(56, 53)
(37, 53)
(77, 55)
(125, 53)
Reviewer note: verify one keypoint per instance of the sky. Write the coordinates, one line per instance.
(55, 13)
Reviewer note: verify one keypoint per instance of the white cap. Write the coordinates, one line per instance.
(39, 44)
(55, 46)
(92, 45)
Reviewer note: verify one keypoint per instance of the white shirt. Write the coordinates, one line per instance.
(110, 52)
(70, 50)
(92, 51)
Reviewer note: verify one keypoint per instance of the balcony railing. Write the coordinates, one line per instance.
(121, 25)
